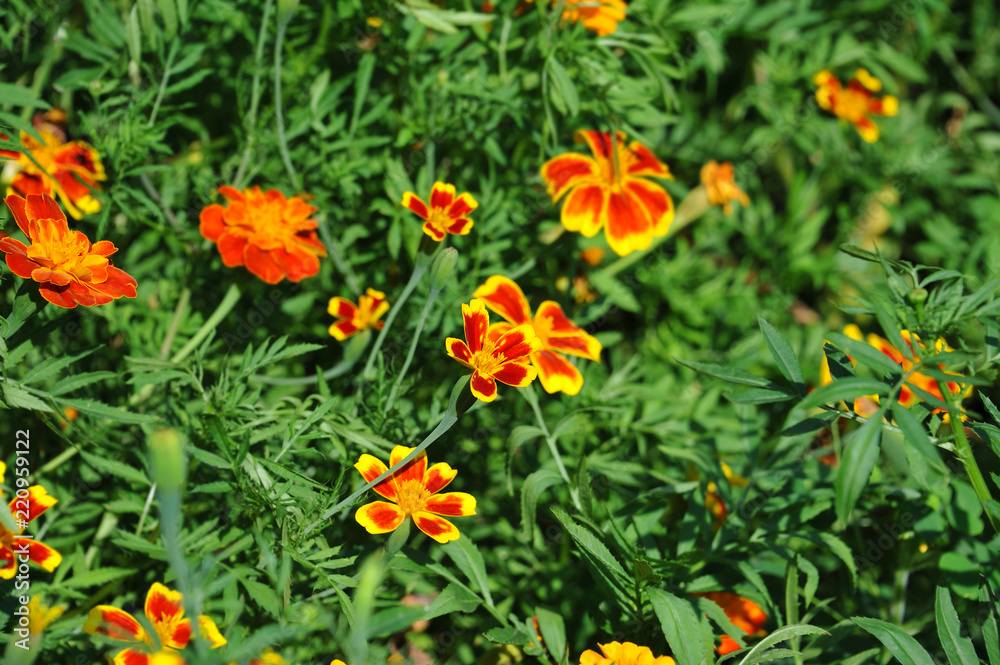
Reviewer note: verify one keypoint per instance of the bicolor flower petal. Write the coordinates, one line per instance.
(355, 318)
(611, 190)
(855, 102)
(69, 269)
(623, 653)
(273, 236)
(413, 492)
(504, 357)
(720, 186)
(556, 333)
(446, 214)
(25, 511)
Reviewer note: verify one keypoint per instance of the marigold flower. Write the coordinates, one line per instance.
(40, 616)
(855, 103)
(25, 511)
(271, 235)
(165, 611)
(413, 491)
(592, 256)
(627, 653)
(502, 358)
(600, 16)
(446, 213)
(743, 612)
(269, 657)
(68, 169)
(720, 186)
(355, 318)
(556, 333)
(611, 190)
(69, 269)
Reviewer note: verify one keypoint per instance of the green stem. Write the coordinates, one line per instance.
(254, 98)
(339, 369)
(175, 323)
(431, 297)
(163, 84)
(963, 451)
(279, 119)
(574, 494)
(333, 250)
(418, 272)
(228, 302)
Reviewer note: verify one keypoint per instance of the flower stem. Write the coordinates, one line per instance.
(228, 302)
(963, 451)
(279, 119)
(254, 98)
(333, 250)
(163, 84)
(529, 394)
(418, 272)
(431, 297)
(175, 323)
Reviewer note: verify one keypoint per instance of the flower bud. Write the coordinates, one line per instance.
(917, 296)
(442, 268)
(167, 459)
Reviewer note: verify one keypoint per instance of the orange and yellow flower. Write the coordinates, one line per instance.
(556, 333)
(69, 170)
(355, 318)
(600, 16)
(612, 190)
(714, 503)
(69, 269)
(720, 186)
(413, 491)
(627, 653)
(26, 510)
(40, 616)
(165, 611)
(743, 612)
(446, 214)
(273, 236)
(269, 657)
(504, 358)
(855, 103)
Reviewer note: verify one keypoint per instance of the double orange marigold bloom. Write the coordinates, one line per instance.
(623, 653)
(855, 102)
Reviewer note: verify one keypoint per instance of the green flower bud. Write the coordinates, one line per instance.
(167, 458)
(917, 296)
(442, 268)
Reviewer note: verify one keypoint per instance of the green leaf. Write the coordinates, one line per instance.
(842, 390)
(758, 653)
(901, 645)
(949, 629)
(553, 631)
(112, 467)
(864, 353)
(469, 560)
(508, 635)
(730, 374)
(533, 486)
(97, 577)
(362, 83)
(925, 464)
(991, 634)
(861, 452)
(263, 595)
(21, 96)
(563, 88)
(783, 355)
(19, 398)
(133, 34)
(689, 637)
(100, 410)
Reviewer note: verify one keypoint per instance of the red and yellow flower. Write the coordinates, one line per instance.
(556, 333)
(504, 358)
(612, 190)
(172, 630)
(69, 170)
(600, 16)
(619, 653)
(413, 491)
(355, 318)
(273, 236)
(714, 503)
(855, 103)
(720, 186)
(12, 546)
(446, 214)
(743, 612)
(69, 269)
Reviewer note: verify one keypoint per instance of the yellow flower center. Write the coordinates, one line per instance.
(439, 219)
(853, 104)
(411, 496)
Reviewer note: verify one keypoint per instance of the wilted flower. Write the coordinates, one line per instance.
(273, 236)
(743, 612)
(413, 491)
(720, 186)
(26, 509)
(555, 332)
(69, 269)
(446, 214)
(627, 653)
(611, 190)
(355, 318)
(502, 358)
(855, 103)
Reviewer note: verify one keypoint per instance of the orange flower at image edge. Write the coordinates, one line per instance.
(413, 491)
(446, 214)
(743, 612)
(69, 269)
(165, 611)
(720, 186)
(627, 653)
(11, 544)
(271, 235)
(355, 318)
(612, 190)
(62, 164)
(599, 16)
(556, 334)
(855, 103)
(503, 358)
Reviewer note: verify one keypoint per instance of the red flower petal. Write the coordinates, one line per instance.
(231, 194)
(518, 375)
(503, 296)
(18, 263)
(654, 200)
(18, 205)
(434, 232)
(371, 468)
(516, 344)
(113, 623)
(57, 295)
(37, 502)
(483, 387)
(453, 504)
(462, 206)
(211, 223)
(379, 517)
(416, 205)
(563, 335)
(556, 373)
(414, 469)
(438, 476)
(262, 264)
(54, 277)
(583, 209)
(459, 350)
(627, 227)
(645, 163)
(477, 321)
(436, 527)
(43, 206)
(442, 195)
(567, 171)
(599, 142)
(460, 227)
(45, 556)
(343, 329)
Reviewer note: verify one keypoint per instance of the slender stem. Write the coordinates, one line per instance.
(529, 394)
(227, 304)
(431, 297)
(254, 97)
(418, 272)
(163, 84)
(963, 451)
(175, 323)
(282, 142)
(339, 369)
(145, 509)
(59, 459)
(154, 194)
(333, 250)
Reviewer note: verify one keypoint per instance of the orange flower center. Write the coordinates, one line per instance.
(411, 496)
(439, 219)
(852, 104)
(60, 250)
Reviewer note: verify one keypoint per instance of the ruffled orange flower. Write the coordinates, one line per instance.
(855, 103)
(165, 612)
(446, 214)
(70, 271)
(612, 190)
(504, 358)
(600, 16)
(12, 545)
(271, 235)
(720, 186)
(627, 653)
(69, 170)
(413, 491)
(743, 612)
(556, 333)
(355, 318)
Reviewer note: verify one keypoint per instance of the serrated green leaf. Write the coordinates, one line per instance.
(900, 644)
